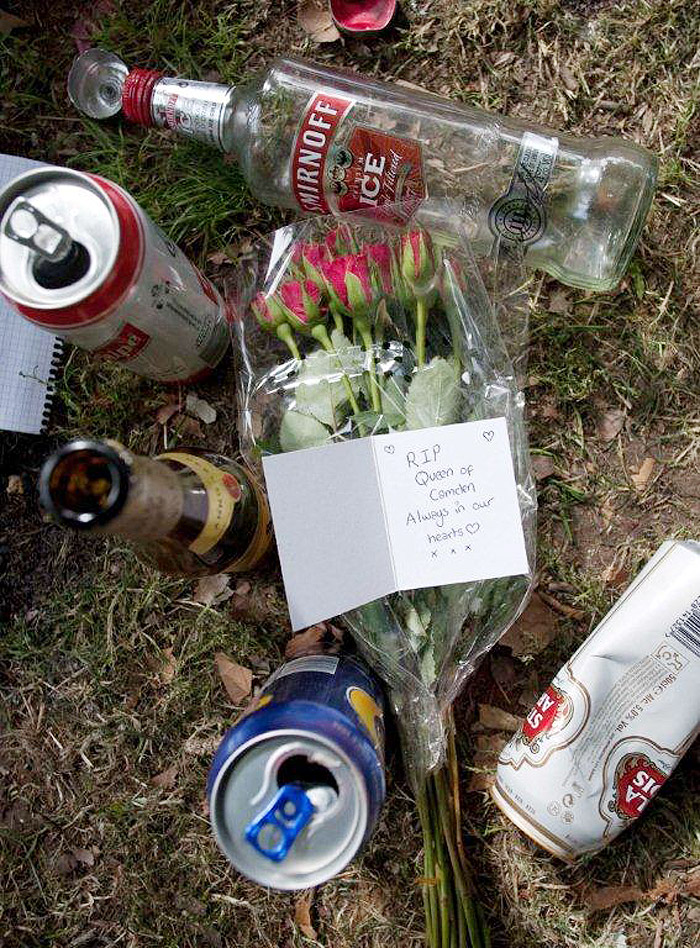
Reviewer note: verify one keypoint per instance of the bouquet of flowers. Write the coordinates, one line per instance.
(350, 330)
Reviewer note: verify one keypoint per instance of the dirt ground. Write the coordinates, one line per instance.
(111, 706)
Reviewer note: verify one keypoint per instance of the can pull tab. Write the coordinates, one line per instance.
(29, 226)
(274, 830)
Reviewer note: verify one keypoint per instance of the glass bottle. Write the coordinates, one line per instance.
(320, 140)
(189, 512)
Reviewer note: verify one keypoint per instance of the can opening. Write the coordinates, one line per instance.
(54, 275)
(306, 773)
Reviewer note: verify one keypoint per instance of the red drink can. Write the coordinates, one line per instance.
(80, 258)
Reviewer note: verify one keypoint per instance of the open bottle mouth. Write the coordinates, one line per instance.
(95, 83)
(84, 484)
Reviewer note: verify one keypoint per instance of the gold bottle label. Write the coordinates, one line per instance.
(223, 492)
(261, 538)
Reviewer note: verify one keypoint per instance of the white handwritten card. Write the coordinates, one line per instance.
(360, 519)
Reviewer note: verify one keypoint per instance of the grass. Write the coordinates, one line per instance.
(92, 852)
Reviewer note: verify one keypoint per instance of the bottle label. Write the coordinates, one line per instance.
(371, 170)
(191, 108)
(309, 155)
(520, 215)
(223, 491)
(261, 538)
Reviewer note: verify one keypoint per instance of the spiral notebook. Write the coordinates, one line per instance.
(28, 355)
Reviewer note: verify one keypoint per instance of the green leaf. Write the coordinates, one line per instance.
(301, 431)
(351, 358)
(433, 396)
(393, 401)
(319, 391)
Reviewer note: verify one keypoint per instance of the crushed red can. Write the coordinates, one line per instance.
(80, 258)
(608, 732)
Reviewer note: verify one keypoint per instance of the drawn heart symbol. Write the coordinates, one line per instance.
(488, 435)
(472, 527)
(389, 448)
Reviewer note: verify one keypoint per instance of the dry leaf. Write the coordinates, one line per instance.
(607, 897)
(84, 856)
(571, 612)
(542, 466)
(322, 639)
(643, 475)
(190, 428)
(211, 590)
(559, 302)
(302, 916)
(14, 484)
(200, 408)
(568, 78)
(496, 719)
(491, 743)
(480, 781)
(166, 779)
(166, 673)
(219, 258)
(533, 631)
(9, 22)
(237, 680)
(166, 412)
(610, 424)
(315, 19)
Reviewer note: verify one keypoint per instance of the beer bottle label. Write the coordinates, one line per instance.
(261, 538)
(223, 492)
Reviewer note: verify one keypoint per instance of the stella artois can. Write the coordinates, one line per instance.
(80, 258)
(607, 733)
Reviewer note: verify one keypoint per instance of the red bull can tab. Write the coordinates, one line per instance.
(296, 786)
(79, 257)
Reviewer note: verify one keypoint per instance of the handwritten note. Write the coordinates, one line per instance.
(358, 520)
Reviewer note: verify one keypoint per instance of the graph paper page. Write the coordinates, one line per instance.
(27, 353)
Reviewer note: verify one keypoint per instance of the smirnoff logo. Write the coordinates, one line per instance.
(170, 113)
(637, 781)
(543, 715)
(318, 126)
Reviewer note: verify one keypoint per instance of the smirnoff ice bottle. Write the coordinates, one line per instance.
(321, 140)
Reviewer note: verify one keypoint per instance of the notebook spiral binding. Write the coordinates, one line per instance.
(52, 377)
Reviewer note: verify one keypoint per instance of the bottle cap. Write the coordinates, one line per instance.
(95, 83)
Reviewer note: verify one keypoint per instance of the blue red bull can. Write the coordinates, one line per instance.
(296, 786)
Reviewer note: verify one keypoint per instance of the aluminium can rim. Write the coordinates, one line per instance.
(321, 875)
(17, 188)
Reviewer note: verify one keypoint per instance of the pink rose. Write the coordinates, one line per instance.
(301, 302)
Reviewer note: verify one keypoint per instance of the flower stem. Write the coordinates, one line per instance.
(338, 320)
(421, 321)
(284, 332)
(368, 342)
(320, 334)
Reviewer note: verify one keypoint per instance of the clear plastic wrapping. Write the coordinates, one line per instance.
(351, 329)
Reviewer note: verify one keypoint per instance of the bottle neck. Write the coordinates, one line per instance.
(101, 487)
(193, 109)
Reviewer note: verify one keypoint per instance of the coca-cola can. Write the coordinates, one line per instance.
(80, 258)
(607, 733)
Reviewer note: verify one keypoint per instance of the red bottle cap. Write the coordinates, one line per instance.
(137, 94)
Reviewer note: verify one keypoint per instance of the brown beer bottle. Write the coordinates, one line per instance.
(189, 512)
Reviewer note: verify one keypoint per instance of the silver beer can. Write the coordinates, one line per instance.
(607, 733)
(80, 258)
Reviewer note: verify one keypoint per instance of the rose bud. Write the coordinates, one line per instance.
(312, 258)
(379, 259)
(272, 317)
(301, 303)
(417, 259)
